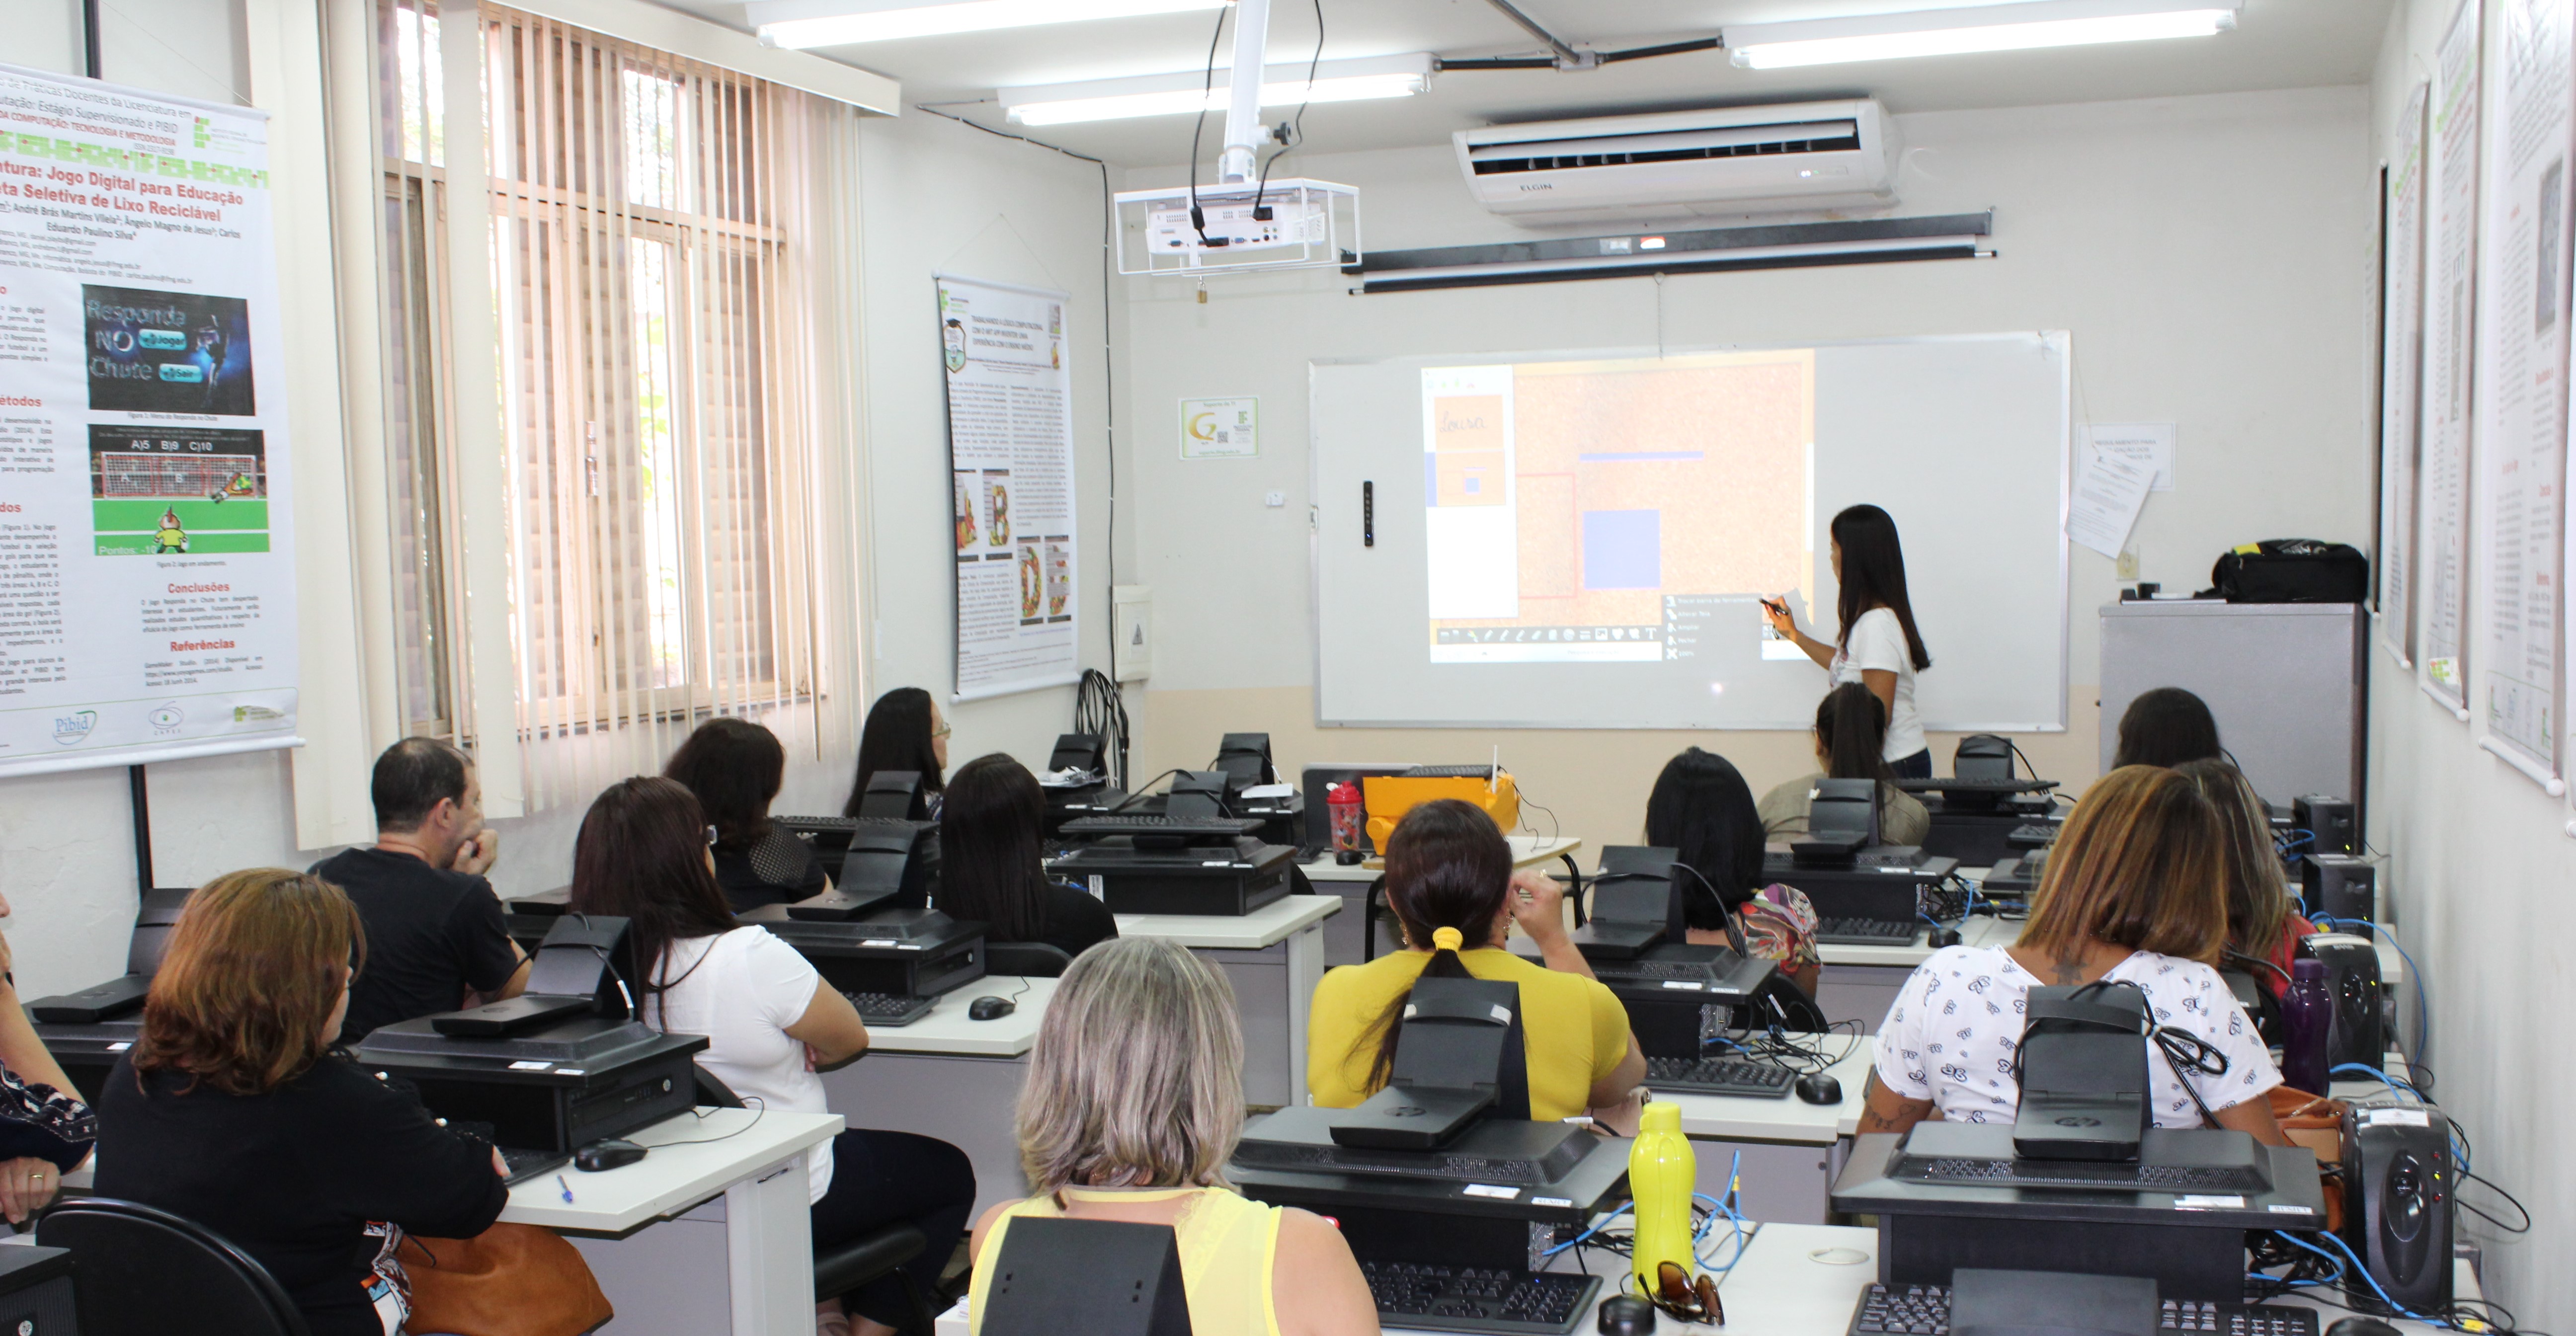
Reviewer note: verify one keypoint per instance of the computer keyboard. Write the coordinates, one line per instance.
(1866, 932)
(1924, 1310)
(1649, 969)
(889, 1011)
(1214, 827)
(530, 1163)
(1719, 1076)
(2034, 835)
(1442, 1298)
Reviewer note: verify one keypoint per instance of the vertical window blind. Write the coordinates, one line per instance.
(666, 245)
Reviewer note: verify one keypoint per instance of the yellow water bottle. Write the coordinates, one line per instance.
(1661, 1174)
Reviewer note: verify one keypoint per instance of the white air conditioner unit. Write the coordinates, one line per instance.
(1804, 156)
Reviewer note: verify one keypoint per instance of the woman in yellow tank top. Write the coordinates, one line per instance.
(1449, 880)
(1133, 1104)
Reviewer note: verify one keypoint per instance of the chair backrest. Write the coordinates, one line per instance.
(140, 1270)
(1033, 960)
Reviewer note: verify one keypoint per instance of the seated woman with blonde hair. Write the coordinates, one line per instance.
(1133, 1105)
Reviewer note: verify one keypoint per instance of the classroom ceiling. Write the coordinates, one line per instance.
(2277, 44)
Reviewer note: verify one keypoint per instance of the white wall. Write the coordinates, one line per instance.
(934, 195)
(2212, 255)
(2478, 866)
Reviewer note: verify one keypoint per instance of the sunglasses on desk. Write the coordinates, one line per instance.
(1686, 1298)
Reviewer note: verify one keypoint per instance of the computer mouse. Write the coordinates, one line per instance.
(610, 1154)
(990, 1008)
(2360, 1326)
(1627, 1315)
(1943, 937)
(1818, 1088)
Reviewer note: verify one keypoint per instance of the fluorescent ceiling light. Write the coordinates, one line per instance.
(1188, 90)
(798, 24)
(1949, 32)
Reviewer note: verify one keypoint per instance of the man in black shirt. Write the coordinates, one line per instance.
(435, 939)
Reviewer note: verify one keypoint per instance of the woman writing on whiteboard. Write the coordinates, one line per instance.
(1878, 646)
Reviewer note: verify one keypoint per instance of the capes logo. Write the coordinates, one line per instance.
(69, 729)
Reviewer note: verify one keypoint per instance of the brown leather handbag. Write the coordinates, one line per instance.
(2316, 1122)
(509, 1280)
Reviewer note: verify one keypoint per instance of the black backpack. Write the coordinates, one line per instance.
(2291, 570)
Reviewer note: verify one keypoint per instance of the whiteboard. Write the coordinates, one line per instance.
(1963, 439)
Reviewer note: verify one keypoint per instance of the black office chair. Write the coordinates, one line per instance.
(1033, 960)
(870, 1256)
(135, 1267)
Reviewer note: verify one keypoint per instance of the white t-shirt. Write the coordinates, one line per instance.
(742, 989)
(1950, 1036)
(1877, 641)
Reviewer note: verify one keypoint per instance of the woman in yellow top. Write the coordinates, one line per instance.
(1449, 880)
(1133, 1103)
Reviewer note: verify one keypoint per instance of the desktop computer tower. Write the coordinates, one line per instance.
(2340, 887)
(2329, 820)
(36, 1292)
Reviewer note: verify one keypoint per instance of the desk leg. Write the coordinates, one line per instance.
(769, 1252)
(1305, 971)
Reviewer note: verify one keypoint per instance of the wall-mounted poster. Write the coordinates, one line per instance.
(147, 578)
(1010, 453)
(2522, 386)
(2450, 308)
(2401, 383)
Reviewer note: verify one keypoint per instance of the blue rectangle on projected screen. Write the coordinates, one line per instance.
(1623, 549)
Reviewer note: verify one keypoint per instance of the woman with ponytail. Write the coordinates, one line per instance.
(1449, 880)
(1851, 730)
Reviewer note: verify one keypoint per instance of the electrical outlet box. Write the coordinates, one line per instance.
(1131, 632)
(2127, 568)
(1274, 498)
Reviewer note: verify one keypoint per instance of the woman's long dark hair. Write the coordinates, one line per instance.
(1702, 807)
(734, 768)
(991, 868)
(2166, 726)
(1873, 576)
(642, 856)
(1447, 866)
(1851, 726)
(896, 737)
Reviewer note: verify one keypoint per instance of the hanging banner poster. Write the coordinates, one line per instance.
(147, 574)
(1010, 461)
(2450, 298)
(2401, 383)
(2522, 384)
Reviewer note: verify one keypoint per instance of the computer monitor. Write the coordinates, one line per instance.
(1198, 793)
(1076, 751)
(1244, 760)
(1842, 808)
(1098, 1277)
(1983, 756)
(895, 795)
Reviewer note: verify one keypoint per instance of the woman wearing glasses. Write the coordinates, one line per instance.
(904, 732)
(1133, 1104)
(644, 854)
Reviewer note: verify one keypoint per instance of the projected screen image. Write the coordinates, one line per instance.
(1607, 511)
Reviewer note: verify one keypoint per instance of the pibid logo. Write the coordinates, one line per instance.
(69, 729)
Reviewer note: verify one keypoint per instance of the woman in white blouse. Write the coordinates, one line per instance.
(1878, 646)
(645, 854)
(2133, 894)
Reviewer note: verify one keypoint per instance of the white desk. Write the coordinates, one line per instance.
(739, 1194)
(1274, 957)
(952, 1077)
(1343, 945)
(1797, 1280)
(1791, 1149)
